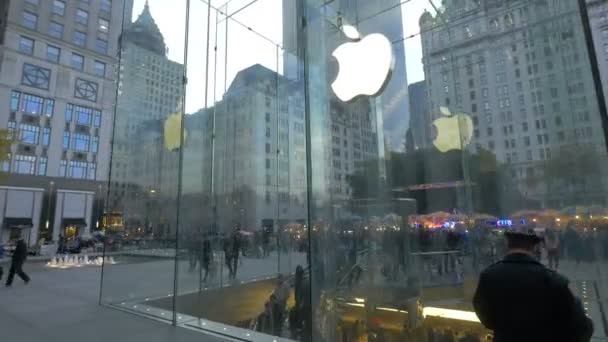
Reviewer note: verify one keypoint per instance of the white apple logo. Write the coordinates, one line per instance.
(454, 132)
(365, 65)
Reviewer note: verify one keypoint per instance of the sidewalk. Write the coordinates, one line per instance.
(60, 305)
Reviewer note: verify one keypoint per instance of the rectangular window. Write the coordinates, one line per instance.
(52, 53)
(29, 20)
(62, 168)
(42, 163)
(82, 16)
(101, 46)
(95, 144)
(50, 107)
(66, 140)
(80, 38)
(25, 164)
(26, 45)
(106, 5)
(5, 165)
(29, 134)
(32, 104)
(100, 69)
(33, 2)
(15, 98)
(56, 29)
(77, 61)
(92, 171)
(12, 127)
(69, 109)
(78, 169)
(46, 136)
(103, 25)
(84, 115)
(80, 142)
(97, 118)
(58, 7)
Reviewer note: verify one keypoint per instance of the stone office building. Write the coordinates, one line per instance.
(520, 70)
(57, 88)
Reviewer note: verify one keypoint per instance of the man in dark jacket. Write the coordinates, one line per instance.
(19, 257)
(521, 300)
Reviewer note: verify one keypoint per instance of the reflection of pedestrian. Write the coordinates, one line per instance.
(266, 241)
(552, 244)
(226, 247)
(236, 249)
(521, 300)
(206, 256)
(19, 257)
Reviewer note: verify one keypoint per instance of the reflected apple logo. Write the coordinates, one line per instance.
(365, 65)
(172, 132)
(454, 132)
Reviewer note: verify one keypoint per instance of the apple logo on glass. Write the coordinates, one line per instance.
(172, 132)
(454, 132)
(365, 65)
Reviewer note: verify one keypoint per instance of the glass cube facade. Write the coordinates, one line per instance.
(343, 170)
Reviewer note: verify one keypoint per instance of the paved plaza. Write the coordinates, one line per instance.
(62, 304)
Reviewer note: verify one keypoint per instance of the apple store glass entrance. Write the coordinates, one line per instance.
(343, 170)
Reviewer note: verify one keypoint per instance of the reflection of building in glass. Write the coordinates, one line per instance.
(259, 164)
(373, 17)
(520, 71)
(419, 133)
(356, 126)
(150, 89)
(57, 89)
(598, 18)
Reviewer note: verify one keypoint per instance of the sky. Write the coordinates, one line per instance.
(245, 47)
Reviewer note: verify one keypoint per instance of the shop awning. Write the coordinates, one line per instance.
(18, 222)
(74, 222)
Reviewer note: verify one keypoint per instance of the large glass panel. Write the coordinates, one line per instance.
(486, 121)
(345, 170)
(141, 222)
(243, 202)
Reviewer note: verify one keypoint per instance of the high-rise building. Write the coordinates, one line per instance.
(356, 127)
(58, 89)
(259, 152)
(420, 127)
(598, 19)
(150, 89)
(520, 70)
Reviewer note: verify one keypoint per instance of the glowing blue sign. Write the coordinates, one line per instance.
(504, 223)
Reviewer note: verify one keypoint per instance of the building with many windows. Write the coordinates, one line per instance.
(259, 152)
(516, 70)
(598, 20)
(57, 87)
(150, 89)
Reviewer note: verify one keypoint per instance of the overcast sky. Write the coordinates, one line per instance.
(246, 48)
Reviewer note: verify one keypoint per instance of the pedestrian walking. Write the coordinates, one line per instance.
(552, 244)
(227, 248)
(19, 257)
(521, 300)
